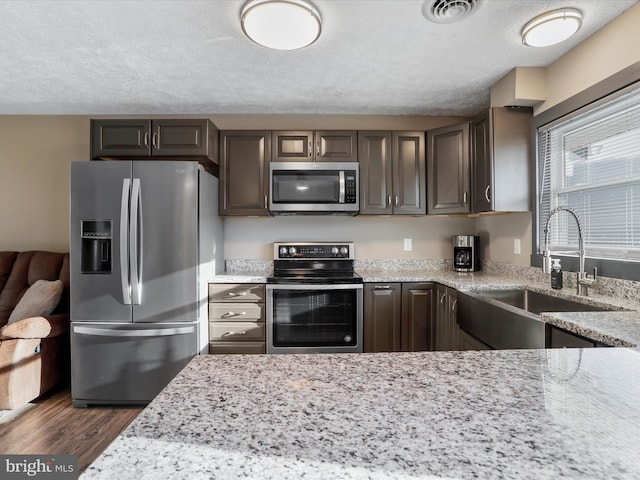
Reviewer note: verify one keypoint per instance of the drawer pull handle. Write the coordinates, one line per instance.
(228, 334)
(241, 294)
(234, 314)
(381, 287)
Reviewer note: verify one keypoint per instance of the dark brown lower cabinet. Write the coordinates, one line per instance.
(399, 317)
(418, 315)
(382, 317)
(446, 324)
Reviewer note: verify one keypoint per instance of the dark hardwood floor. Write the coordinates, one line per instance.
(50, 425)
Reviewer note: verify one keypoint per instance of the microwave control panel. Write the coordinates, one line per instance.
(350, 187)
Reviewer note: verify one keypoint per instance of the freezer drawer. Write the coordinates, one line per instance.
(127, 364)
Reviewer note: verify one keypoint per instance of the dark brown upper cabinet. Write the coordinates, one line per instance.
(193, 139)
(448, 170)
(244, 172)
(310, 146)
(392, 173)
(500, 159)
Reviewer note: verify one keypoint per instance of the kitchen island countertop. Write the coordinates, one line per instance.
(563, 413)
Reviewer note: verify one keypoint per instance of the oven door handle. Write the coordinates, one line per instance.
(309, 286)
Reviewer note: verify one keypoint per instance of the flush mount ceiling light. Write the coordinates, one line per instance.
(281, 24)
(552, 27)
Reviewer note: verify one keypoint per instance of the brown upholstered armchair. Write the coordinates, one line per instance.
(34, 351)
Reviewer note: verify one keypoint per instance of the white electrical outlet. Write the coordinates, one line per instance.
(516, 246)
(408, 245)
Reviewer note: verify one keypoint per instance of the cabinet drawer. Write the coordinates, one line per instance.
(236, 312)
(241, 292)
(237, 347)
(236, 331)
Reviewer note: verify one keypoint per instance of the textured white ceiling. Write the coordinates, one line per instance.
(190, 57)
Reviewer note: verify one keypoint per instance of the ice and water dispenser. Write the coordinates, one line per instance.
(96, 250)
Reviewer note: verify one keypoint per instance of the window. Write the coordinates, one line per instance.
(589, 161)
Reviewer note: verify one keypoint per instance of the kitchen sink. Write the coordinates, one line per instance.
(507, 319)
(537, 302)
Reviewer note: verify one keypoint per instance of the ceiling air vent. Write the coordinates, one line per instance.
(449, 11)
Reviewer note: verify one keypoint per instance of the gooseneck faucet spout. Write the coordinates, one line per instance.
(584, 280)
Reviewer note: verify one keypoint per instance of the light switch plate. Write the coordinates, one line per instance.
(516, 246)
(408, 245)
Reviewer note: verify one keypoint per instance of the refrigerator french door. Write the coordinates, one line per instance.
(135, 296)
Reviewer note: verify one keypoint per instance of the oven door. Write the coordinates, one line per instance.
(307, 318)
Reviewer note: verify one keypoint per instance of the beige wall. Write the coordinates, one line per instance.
(35, 153)
(608, 51)
(375, 236)
(497, 234)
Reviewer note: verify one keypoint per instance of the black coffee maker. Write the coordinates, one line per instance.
(466, 253)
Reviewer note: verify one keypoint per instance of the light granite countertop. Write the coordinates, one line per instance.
(538, 414)
(617, 328)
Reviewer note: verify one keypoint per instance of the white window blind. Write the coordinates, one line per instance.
(591, 164)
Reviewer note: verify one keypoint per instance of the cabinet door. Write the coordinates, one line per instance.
(181, 138)
(382, 317)
(442, 339)
(289, 146)
(448, 169)
(120, 138)
(336, 146)
(452, 319)
(418, 317)
(481, 163)
(409, 196)
(244, 164)
(374, 153)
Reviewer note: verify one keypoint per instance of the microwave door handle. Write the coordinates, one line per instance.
(342, 187)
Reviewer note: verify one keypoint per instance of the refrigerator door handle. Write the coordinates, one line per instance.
(153, 332)
(124, 248)
(135, 240)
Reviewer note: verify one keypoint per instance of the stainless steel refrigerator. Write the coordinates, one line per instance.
(145, 239)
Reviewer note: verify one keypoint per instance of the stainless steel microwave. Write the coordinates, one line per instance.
(314, 188)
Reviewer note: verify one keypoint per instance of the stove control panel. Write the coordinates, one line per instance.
(320, 250)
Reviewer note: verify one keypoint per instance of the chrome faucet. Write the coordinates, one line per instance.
(584, 280)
